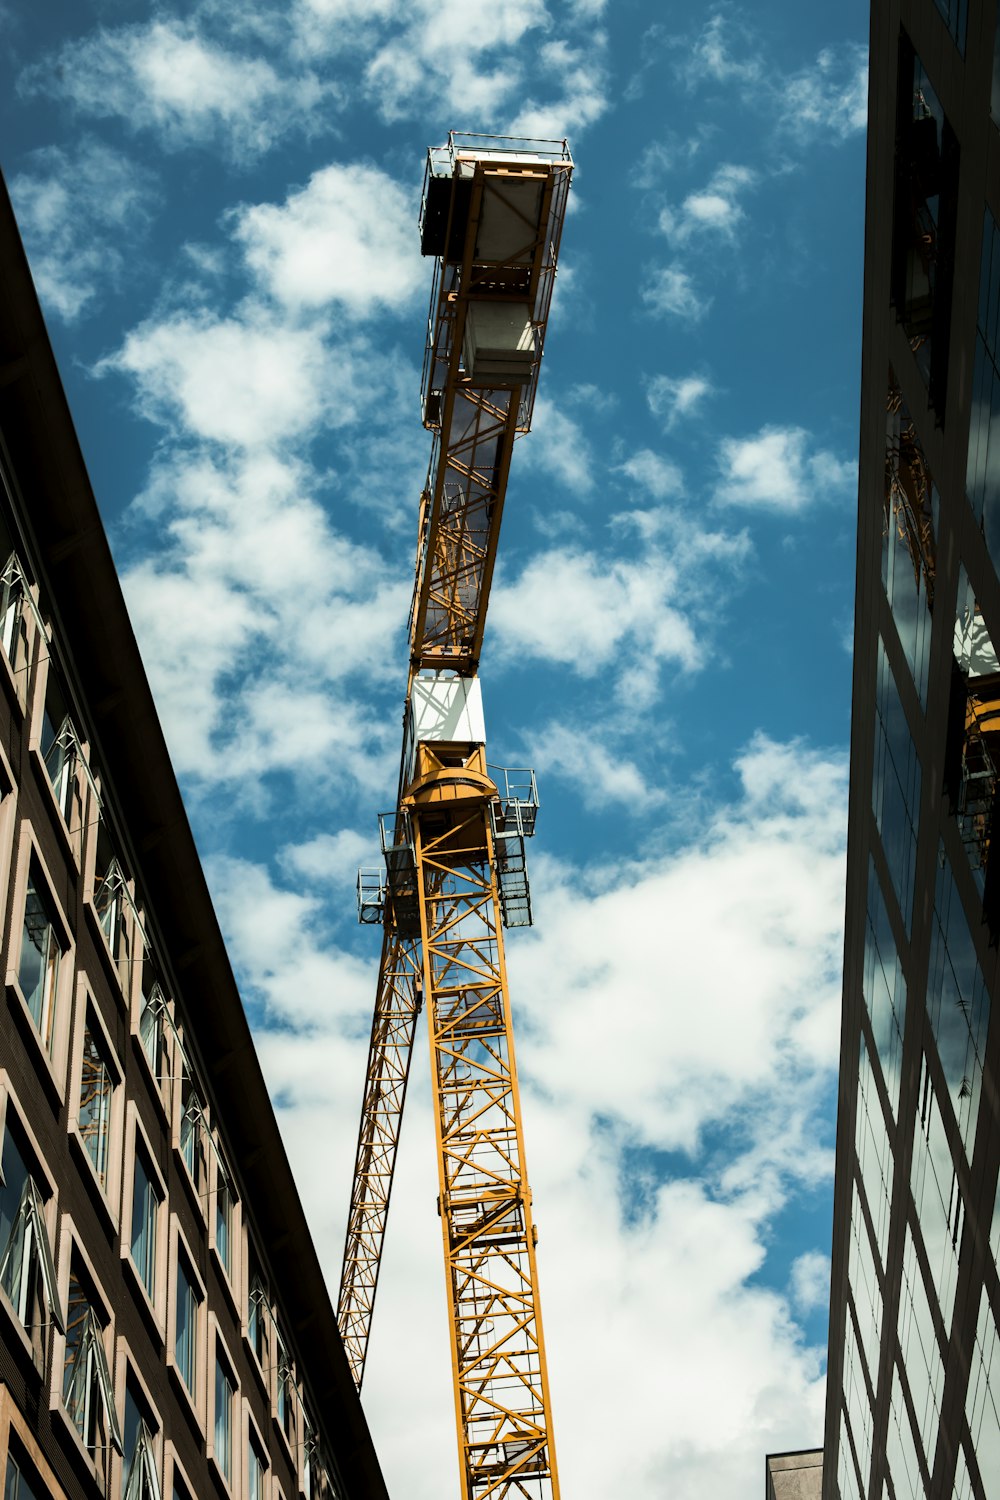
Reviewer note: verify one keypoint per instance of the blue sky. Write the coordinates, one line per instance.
(219, 205)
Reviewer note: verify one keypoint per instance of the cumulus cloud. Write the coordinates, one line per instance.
(272, 613)
(169, 77)
(810, 1281)
(586, 608)
(776, 471)
(81, 210)
(248, 380)
(347, 237)
(673, 399)
(558, 448)
(713, 210)
(657, 475)
(577, 77)
(632, 1051)
(670, 292)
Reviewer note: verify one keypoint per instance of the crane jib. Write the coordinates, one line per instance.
(454, 872)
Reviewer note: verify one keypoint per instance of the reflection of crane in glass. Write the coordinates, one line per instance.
(454, 873)
(909, 492)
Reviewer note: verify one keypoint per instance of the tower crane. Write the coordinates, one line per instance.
(455, 875)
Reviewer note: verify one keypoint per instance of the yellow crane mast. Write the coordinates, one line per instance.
(455, 873)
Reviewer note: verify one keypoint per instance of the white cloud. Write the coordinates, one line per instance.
(775, 471)
(591, 609)
(347, 237)
(715, 209)
(168, 77)
(80, 210)
(421, 63)
(810, 1281)
(653, 473)
(631, 1045)
(331, 858)
(250, 380)
(594, 763)
(271, 615)
(827, 100)
(578, 77)
(671, 400)
(670, 292)
(824, 101)
(558, 447)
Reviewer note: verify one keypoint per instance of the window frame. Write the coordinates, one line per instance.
(196, 1399)
(127, 1369)
(12, 1421)
(251, 1435)
(54, 1055)
(136, 1139)
(72, 1242)
(229, 1272)
(81, 777)
(220, 1356)
(32, 1340)
(87, 1008)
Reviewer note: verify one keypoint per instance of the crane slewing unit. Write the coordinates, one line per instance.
(454, 874)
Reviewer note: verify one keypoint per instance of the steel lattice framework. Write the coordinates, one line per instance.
(454, 847)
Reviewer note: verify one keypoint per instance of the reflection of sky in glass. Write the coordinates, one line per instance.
(937, 1197)
(874, 1156)
(895, 785)
(921, 1353)
(958, 1004)
(858, 1412)
(983, 1397)
(884, 988)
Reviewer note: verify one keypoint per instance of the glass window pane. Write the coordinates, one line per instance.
(38, 970)
(145, 1206)
(895, 785)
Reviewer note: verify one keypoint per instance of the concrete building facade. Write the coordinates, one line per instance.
(165, 1330)
(914, 1361)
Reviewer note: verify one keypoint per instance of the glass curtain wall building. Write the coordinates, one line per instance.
(914, 1368)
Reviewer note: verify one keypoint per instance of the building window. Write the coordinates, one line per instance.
(27, 1272)
(286, 1394)
(255, 1471)
(140, 1480)
(909, 528)
(920, 1350)
(13, 621)
(982, 477)
(875, 1159)
(153, 1023)
(901, 1449)
(225, 1395)
(982, 1398)
(192, 1129)
(937, 1197)
(97, 1086)
(88, 1394)
(895, 785)
(858, 1414)
(145, 1217)
(60, 747)
(113, 906)
(257, 1319)
(958, 1003)
(884, 987)
(865, 1288)
(955, 14)
(223, 1216)
(924, 214)
(186, 1325)
(16, 1484)
(41, 950)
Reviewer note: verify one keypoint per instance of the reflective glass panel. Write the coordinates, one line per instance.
(874, 1156)
(895, 785)
(884, 988)
(145, 1205)
(937, 1197)
(865, 1289)
(908, 537)
(958, 1003)
(982, 1400)
(920, 1350)
(901, 1449)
